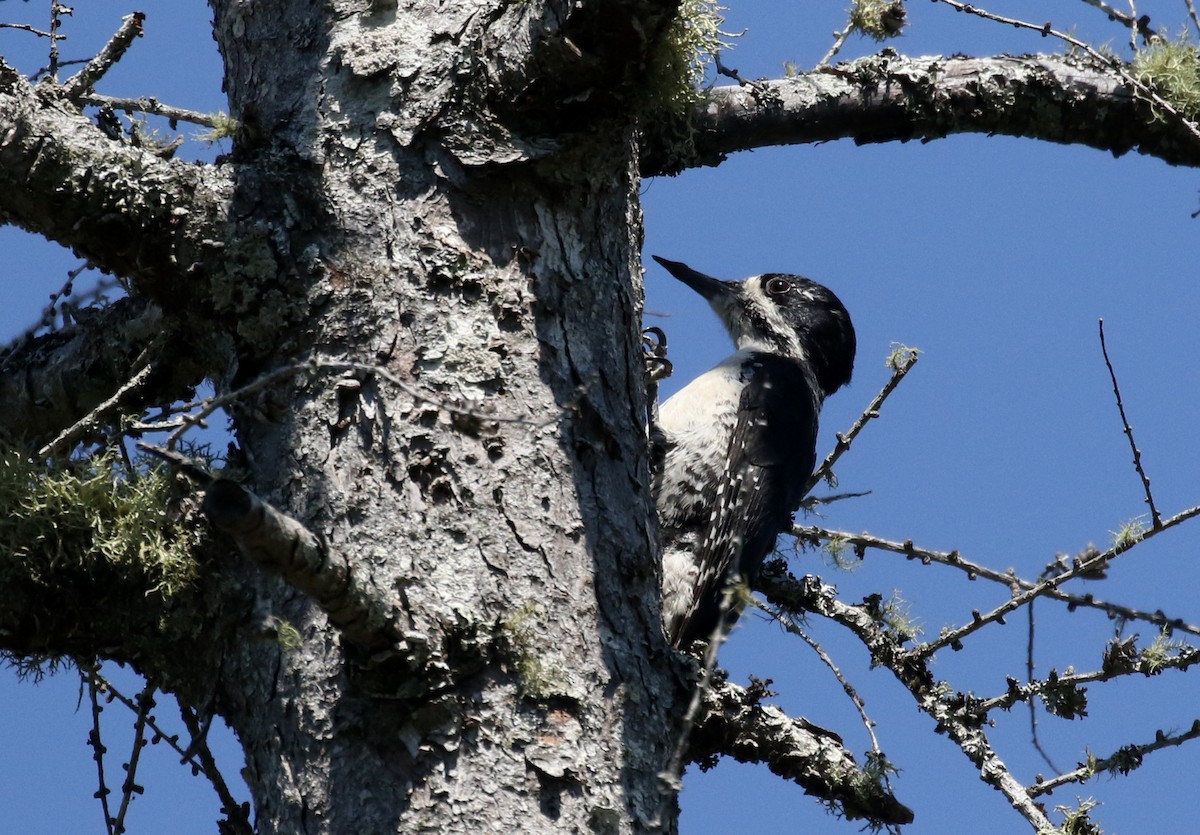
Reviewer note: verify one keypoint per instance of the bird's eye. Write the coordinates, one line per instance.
(778, 286)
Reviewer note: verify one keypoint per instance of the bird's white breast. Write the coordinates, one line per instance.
(698, 421)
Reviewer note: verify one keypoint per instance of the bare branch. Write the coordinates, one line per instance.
(905, 359)
(791, 624)
(1099, 59)
(94, 70)
(97, 745)
(1137, 454)
(952, 637)
(1195, 18)
(24, 27)
(1140, 665)
(861, 541)
(159, 223)
(280, 544)
(956, 714)
(129, 786)
(237, 821)
(734, 723)
(89, 421)
(839, 41)
(888, 98)
(152, 106)
(1139, 26)
(1123, 760)
(57, 10)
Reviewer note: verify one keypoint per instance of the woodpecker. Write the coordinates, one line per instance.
(735, 447)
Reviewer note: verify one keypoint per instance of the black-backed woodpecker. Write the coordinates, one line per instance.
(736, 446)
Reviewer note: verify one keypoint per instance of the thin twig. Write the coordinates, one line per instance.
(89, 420)
(672, 775)
(838, 43)
(46, 69)
(89, 677)
(973, 570)
(730, 72)
(57, 9)
(145, 703)
(1192, 14)
(1137, 455)
(152, 106)
(105, 686)
(235, 813)
(1029, 680)
(94, 70)
(51, 311)
(902, 361)
(953, 637)
(959, 723)
(1025, 693)
(760, 91)
(25, 27)
(1123, 760)
(1136, 25)
(788, 621)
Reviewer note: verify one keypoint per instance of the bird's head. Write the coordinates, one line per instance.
(781, 314)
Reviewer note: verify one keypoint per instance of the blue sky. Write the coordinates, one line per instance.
(993, 256)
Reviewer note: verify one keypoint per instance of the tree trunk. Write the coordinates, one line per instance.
(498, 503)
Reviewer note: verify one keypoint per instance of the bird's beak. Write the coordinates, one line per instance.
(712, 289)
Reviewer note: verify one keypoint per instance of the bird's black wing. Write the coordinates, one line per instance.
(771, 454)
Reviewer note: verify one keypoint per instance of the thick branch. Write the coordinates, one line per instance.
(122, 208)
(285, 547)
(888, 97)
(734, 723)
(51, 381)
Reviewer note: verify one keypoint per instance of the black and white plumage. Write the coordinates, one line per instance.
(736, 446)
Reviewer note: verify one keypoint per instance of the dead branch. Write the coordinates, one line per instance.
(735, 723)
(94, 70)
(283, 546)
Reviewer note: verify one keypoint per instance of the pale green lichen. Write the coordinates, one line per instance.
(1129, 533)
(288, 636)
(688, 49)
(1172, 70)
(224, 127)
(538, 680)
(1163, 649)
(878, 19)
(1076, 820)
(896, 615)
(901, 356)
(92, 516)
(840, 555)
